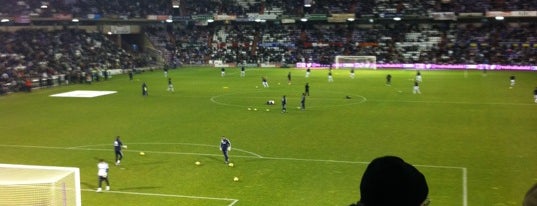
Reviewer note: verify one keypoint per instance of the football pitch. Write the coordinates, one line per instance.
(468, 132)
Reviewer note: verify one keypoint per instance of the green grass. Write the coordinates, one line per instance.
(468, 133)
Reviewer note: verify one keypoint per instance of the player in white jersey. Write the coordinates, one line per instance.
(511, 81)
(418, 77)
(103, 174)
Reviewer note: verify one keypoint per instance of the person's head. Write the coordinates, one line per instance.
(117, 137)
(531, 197)
(390, 181)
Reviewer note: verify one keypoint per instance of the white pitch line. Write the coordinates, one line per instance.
(177, 143)
(448, 102)
(233, 201)
(464, 187)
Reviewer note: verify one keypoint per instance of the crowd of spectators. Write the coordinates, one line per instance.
(142, 8)
(71, 54)
(493, 42)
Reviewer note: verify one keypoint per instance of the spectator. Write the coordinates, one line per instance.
(391, 181)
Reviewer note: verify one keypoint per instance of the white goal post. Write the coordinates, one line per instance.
(39, 185)
(355, 62)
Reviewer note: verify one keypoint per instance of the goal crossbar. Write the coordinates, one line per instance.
(355, 62)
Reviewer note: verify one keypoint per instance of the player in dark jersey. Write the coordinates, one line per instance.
(225, 147)
(264, 82)
(307, 89)
(535, 94)
(303, 102)
(144, 89)
(170, 85)
(284, 104)
(416, 88)
(511, 81)
(118, 145)
(289, 78)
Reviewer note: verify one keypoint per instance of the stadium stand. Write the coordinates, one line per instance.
(70, 53)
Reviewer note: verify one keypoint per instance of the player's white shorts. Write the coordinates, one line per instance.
(416, 90)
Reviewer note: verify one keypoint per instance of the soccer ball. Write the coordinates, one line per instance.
(255, 109)
(230, 164)
(124, 146)
(142, 153)
(268, 110)
(249, 108)
(236, 179)
(198, 163)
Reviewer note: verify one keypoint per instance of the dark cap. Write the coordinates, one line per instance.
(531, 197)
(390, 181)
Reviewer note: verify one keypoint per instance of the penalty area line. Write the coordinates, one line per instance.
(233, 201)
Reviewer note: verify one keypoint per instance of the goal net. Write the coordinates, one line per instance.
(39, 185)
(356, 62)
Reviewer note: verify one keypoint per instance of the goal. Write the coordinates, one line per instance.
(39, 185)
(355, 62)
